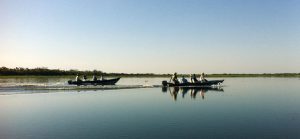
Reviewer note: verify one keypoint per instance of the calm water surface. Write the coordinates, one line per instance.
(241, 108)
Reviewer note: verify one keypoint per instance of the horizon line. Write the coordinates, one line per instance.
(68, 69)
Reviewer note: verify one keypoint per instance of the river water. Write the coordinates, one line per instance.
(40, 107)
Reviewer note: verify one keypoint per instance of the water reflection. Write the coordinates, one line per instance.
(193, 91)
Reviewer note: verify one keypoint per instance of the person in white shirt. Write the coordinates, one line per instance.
(94, 77)
(202, 78)
(77, 78)
(84, 78)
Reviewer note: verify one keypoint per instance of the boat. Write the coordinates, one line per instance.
(97, 82)
(194, 88)
(196, 84)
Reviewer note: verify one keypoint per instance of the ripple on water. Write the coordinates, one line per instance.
(35, 88)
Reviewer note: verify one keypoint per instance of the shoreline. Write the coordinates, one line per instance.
(43, 71)
(266, 75)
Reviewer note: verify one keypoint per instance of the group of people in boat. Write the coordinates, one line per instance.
(84, 78)
(193, 78)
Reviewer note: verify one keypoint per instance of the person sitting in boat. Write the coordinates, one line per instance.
(202, 78)
(102, 78)
(77, 78)
(175, 79)
(184, 80)
(94, 77)
(194, 78)
(84, 78)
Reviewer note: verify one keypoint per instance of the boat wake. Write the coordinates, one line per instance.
(30, 88)
(33, 88)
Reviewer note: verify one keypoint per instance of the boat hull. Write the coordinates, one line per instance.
(197, 84)
(98, 82)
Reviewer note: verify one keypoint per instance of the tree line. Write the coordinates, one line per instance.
(43, 71)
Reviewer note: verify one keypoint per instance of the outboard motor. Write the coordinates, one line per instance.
(164, 83)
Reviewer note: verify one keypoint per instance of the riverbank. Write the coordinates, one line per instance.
(279, 75)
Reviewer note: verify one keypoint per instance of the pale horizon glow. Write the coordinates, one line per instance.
(156, 36)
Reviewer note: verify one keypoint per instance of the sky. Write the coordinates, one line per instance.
(152, 36)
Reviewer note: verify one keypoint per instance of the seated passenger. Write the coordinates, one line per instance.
(102, 78)
(174, 78)
(194, 78)
(84, 78)
(183, 80)
(202, 78)
(77, 78)
(191, 78)
(94, 78)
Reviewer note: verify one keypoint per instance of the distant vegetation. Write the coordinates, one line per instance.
(42, 71)
(256, 75)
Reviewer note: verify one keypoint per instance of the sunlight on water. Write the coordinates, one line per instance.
(21, 85)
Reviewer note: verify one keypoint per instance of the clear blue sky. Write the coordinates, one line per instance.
(156, 36)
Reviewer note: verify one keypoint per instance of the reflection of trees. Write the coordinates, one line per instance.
(193, 91)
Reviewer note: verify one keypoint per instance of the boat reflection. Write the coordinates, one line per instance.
(193, 91)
